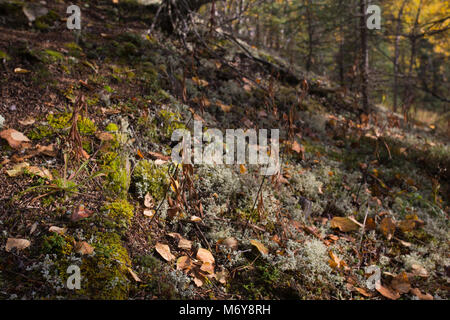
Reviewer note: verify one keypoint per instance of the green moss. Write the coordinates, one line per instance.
(4, 55)
(152, 178)
(171, 121)
(92, 101)
(112, 127)
(105, 274)
(61, 122)
(51, 56)
(74, 49)
(86, 126)
(59, 244)
(45, 22)
(117, 180)
(40, 132)
(121, 212)
(40, 25)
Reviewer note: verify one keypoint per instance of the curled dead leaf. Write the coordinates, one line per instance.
(261, 248)
(27, 122)
(225, 108)
(164, 251)
(160, 156)
(80, 213)
(231, 243)
(134, 275)
(420, 295)
(419, 271)
(363, 292)
(205, 256)
(15, 139)
(387, 227)
(208, 268)
(83, 248)
(21, 70)
(335, 262)
(387, 293)
(401, 283)
(344, 224)
(104, 136)
(185, 244)
(57, 230)
(184, 263)
(200, 82)
(222, 276)
(17, 169)
(196, 219)
(41, 172)
(149, 213)
(148, 201)
(16, 243)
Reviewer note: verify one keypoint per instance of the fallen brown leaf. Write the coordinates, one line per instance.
(148, 201)
(387, 293)
(205, 256)
(401, 283)
(184, 263)
(185, 244)
(134, 275)
(344, 224)
(363, 292)
(231, 243)
(83, 248)
(80, 213)
(261, 248)
(15, 139)
(387, 227)
(57, 230)
(164, 251)
(419, 271)
(420, 295)
(41, 172)
(18, 244)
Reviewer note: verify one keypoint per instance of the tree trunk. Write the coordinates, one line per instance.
(396, 53)
(364, 63)
(174, 11)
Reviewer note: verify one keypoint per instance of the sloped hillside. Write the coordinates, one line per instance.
(90, 182)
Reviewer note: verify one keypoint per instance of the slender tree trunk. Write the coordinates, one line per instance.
(409, 95)
(396, 53)
(364, 63)
(340, 57)
(310, 35)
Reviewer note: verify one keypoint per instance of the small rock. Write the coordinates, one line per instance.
(2, 121)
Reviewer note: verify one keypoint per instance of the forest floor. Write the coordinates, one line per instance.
(354, 190)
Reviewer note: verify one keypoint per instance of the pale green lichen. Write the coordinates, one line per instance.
(149, 177)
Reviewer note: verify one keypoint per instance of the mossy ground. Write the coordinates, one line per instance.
(133, 85)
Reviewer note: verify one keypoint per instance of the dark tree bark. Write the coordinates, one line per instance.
(364, 63)
(396, 53)
(175, 11)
